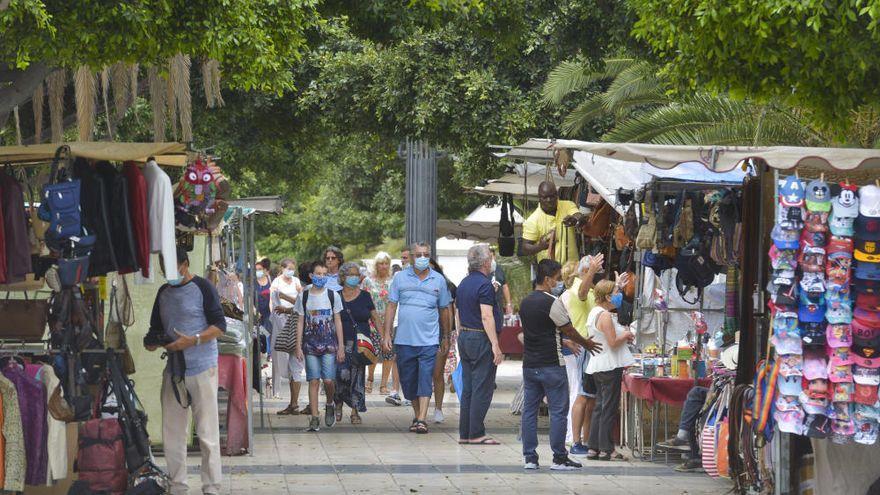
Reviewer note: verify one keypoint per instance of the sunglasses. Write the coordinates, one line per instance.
(330, 257)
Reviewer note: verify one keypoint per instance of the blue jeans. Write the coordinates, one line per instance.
(415, 369)
(321, 367)
(478, 383)
(538, 382)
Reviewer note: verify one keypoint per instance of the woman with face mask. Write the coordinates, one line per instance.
(262, 291)
(607, 367)
(284, 292)
(358, 311)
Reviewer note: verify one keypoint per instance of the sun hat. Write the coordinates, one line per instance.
(838, 335)
(816, 221)
(785, 238)
(869, 201)
(818, 196)
(870, 302)
(865, 394)
(866, 431)
(813, 333)
(813, 239)
(783, 259)
(842, 392)
(815, 364)
(790, 421)
(790, 385)
(790, 217)
(791, 192)
(791, 365)
(866, 376)
(789, 344)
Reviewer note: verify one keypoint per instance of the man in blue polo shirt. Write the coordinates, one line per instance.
(480, 317)
(421, 300)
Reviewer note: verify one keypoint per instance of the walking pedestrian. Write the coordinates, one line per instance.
(378, 285)
(358, 311)
(422, 298)
(333, 258)
(284, 292)
(480, 354)
(607, 367)
(446, 361)
(262, 289)
(319, 342)
(545, 320)
(187, 317)
(502, 289)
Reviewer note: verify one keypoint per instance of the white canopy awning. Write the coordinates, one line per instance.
(170, 154)
(480, 225)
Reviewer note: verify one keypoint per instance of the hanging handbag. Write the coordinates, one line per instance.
(23, 319)
(645, 239)
(506, 239)
(114, 334)
(598, 222)
(60, 203)
(285, 341)
(100, 458)
(29, 284)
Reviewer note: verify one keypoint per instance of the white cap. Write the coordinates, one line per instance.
(869, 201)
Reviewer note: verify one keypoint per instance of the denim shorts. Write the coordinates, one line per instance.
(321, 367)
(415, 369)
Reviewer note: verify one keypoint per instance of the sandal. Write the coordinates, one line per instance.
(421, 427)
(356, 419)
(592, 455)
(287, 411)
(368, 388)
(413, 426)
(608, 456)
(486, 441)
(383, 390)
(338, 412)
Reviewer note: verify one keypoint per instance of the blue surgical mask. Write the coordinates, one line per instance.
(175, 281)
(558, 289)
(617, 300)
(289, 273)
(352, 280)
(422, 263)
(260, 273)
(319, 281)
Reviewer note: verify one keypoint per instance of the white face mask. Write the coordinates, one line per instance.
(493, 267)
(289, 273)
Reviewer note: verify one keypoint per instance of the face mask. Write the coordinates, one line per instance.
(319, 281)
(175, 281)
(558, 289)
(422, 263)
(493, 267)
(260, 273)
(617, 300)
(289, 273)
(352, 280)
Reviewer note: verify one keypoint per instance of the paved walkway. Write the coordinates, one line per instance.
(382, 456)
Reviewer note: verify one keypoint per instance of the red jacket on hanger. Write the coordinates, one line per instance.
(137, 209)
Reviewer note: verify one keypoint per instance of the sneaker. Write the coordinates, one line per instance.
(531, 465)
(690, 466)
(407, 402)
(393, 399)
(438, 415)
(314, 424)
(565, 465)
(578, 449)
(330, 415)
(675, 443)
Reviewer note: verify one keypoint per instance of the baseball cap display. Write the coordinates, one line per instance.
(817, 426)
(846, 204)
(785, 238)
(786, 297)
(866, 431)
(838, 335)
(812, 259)
(838, 314)
(866, 376)
(815, 366)
(818, 196)
(791, 365)
(813, 282)
(791, 192)
(867, 271)
(790, 385)
(811, 313)
(839, 372)
(789, 344)
(813, 333)
(837, 270)
(867, 356)
(816, 221)
(867, 250)
(785, 323)
(842, 245)
(862, 411)
(870, 302)
(790, 217)
(869, 201)
(865, 394)
(867, 228)
(814, 239)
(866, 322)
(783, 259)
(788, 403)
(842, 392)
(790, 421)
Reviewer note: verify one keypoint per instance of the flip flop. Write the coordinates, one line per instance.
(356, 419)
(421, 427)
(413, 426)
(486, 441)
(463, 442)
(287, 411)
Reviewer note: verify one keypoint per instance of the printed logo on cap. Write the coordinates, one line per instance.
(818, 196)
(838, 335)
(865, 394)
(866, 376)
(791, 193)
(869, 201)
(842, 392)
(789, 421)
(790, 385)
(867, 228)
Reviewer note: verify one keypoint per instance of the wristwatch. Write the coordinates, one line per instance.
(198, 339)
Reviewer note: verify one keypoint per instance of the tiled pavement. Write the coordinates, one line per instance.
(381, 456)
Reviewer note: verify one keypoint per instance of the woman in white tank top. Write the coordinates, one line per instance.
(606, 367)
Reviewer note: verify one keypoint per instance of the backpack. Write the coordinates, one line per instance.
(695, 269)
(305, 299)
(60, 204)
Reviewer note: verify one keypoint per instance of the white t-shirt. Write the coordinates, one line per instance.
(319, 304)
(280, 286)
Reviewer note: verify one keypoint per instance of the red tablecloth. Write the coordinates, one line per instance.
(232, 376)
(509, 341)
(672, 391)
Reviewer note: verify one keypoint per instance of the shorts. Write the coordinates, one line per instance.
(321, 367)
(296, 369)
(415, 369)
(588, 385)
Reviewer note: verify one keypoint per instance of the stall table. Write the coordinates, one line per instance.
(655, 391)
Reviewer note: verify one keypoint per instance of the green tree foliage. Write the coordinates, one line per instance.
(823, 57)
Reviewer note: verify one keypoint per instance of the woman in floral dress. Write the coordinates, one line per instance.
(377, 285)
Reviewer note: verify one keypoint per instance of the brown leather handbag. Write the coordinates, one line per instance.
(599, 221)
(23, 319)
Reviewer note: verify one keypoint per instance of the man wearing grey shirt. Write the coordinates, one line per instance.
(187, 318)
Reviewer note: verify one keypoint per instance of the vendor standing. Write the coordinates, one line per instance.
(552, 225)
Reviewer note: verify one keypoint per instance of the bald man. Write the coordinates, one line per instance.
(553, 222)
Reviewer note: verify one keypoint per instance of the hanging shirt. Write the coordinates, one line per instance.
(32, 405)
(56, 439)
(13, 435)
(539, 224)
(18, 245)
(137, 210)
(160, 204)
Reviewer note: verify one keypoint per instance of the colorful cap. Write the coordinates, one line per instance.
(837, 270)
(843, 410)
(786, 297)
(783, 259)
(812, 259)
(867, 356)
(813, 282)
(816, 221)
(867, 250)
(865, 286)
(869, 302)
(814, 405)
(839, 372)
(784, 238)
(811, 313)
(813, 333)
(862, 411)
(842, 245)
(790, 385)
(866, 376)
(815, 365)
(840, 314)
(867, 322)
(814, 239)
(785, 323)
(842, 226)
(840, 355)
(865, 394)
(843, 427)
(868, 228)
(838, 335)
(790, 421)
(818, 197)
(866, 431)
(790, 217)
(791, 365)
(787, 345)
(817, 426)
(846, 204)
(842, 392)
(791, 192)
(869, 201)
(867, 271)
(788, 402)
(818, 389)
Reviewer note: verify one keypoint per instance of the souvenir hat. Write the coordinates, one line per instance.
(814, 239)
(811, 313)
(790, 217)
(791, 365)
(842, 245)
(813, 282)
(843, 410)
(818, 196)
(813, 333)
(780, 284)
(846, 204)
(785, 323)
(783, 259)
(839, 372)
(790, 421)
(842, 392)
(838, 335)
(815, 364)
(787, 345)
(817, 426)
(840, 226)
(840, 355)
(788, 402)
(818, 389)
(863, 411)
(870, 302)
(791, 192)
(867, 271)
(866, 431)
(816, 221)
(837, 270)
(845, 427)
(812, 259)
(790, 385)
(865, 286)
(786, 297)
(837, 297)
(812, 299)
(814, 405)
(784, 238)
(867, 250)
(865, 394)
(867, 228)
(841, 313)
(866, 376)
(869, 201)
(867, 320)
(867, 356)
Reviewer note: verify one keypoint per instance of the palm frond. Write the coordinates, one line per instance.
(86, 92)
(158, 94)
(55, 87)
(583, 114)
(568, 77)
(635, 81)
